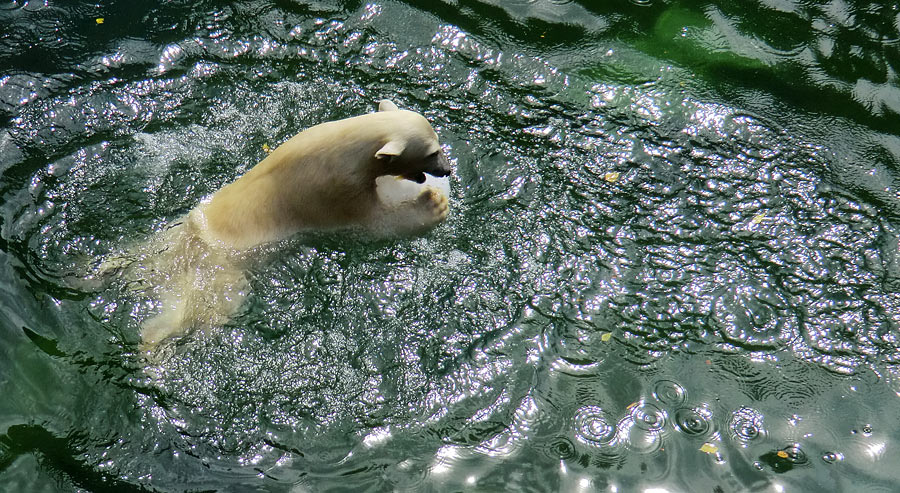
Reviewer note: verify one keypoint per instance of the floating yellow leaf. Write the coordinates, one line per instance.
(782, 454)
(757, 218)
(100, 20)
(709, 448)
(606, 337)
(612, 176)
(267, 148)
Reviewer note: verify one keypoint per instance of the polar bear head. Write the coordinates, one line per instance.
(412, 148)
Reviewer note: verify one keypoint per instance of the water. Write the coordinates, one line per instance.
(671, 262)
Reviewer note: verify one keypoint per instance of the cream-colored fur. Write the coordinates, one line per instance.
(322, 178)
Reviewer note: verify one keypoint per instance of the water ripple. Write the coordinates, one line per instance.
(594, 427)
(695, 422)
(746, 425)
(636, 184)
(669, 393)
(647, 417)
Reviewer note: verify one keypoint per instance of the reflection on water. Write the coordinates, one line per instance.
(671, 265)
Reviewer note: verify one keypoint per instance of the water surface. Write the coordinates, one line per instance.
(671, 262)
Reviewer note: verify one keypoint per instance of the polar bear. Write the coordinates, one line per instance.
(339, 174)
(325, 177)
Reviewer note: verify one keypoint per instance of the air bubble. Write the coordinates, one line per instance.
(832, 457)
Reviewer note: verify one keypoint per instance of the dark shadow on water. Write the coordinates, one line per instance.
(58, 454)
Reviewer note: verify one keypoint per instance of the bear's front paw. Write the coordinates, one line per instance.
(434, 203)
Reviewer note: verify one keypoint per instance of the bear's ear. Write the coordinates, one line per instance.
(390, 150)
(387, 105)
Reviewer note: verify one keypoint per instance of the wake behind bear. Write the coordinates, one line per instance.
(366, 172)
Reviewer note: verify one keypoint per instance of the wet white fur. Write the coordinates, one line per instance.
(331, 176)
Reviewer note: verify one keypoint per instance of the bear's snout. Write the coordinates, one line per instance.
(440, 167)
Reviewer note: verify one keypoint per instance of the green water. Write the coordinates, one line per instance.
(671, 262)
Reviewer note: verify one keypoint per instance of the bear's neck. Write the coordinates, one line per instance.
(288, 192)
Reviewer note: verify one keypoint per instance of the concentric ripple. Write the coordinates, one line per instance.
(563, 448)
(669, 393)
(594, 426)
(785, 459)
(746, 425)
(647, 416)
(641, 429)
(696, 422)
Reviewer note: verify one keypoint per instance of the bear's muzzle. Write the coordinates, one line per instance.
(440, 167)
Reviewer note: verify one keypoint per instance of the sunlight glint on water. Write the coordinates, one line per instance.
(670, 265)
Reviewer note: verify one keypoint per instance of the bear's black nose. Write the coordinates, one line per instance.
(440, 167)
